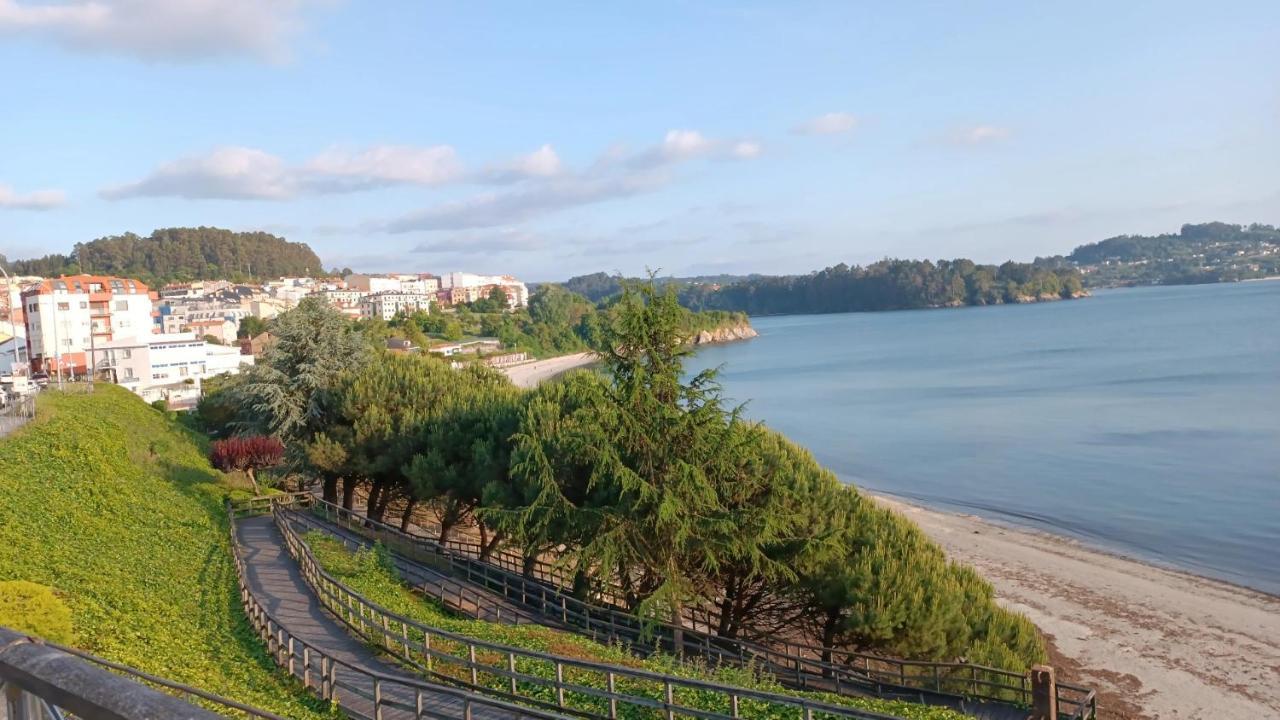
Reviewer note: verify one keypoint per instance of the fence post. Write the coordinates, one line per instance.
(377, 699)
(559, 684)
(471, 655)
(1044, 693)
(613, 698)
(511, 668)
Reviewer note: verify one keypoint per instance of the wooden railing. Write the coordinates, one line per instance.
(555, 682)
(795, 664)
(361, 692)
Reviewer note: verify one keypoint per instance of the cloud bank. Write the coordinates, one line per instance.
(37, 200)
(162, 30)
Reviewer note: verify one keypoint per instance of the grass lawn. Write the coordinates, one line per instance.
(114, 505)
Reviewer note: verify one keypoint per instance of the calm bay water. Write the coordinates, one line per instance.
(1144, 421)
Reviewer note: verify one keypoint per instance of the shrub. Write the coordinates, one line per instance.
(32, 608)
(247, 454)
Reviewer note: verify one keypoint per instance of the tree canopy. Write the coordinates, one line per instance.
(181, 255)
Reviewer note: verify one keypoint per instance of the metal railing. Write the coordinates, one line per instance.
(15, 411)
(797, 665)
(555, 682)
(45, 681)
(361, 692)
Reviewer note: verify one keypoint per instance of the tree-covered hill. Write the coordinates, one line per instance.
(181, 254)
(1205, 253)
(889, 285)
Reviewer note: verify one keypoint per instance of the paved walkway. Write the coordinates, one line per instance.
(275, 579)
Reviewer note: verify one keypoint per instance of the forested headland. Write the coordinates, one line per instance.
(885, 285)
(636, 477)
(181, 255)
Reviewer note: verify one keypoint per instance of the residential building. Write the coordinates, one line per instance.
(220, 329)
(68, 317)
(478, 286)
(13, 352)
(167, 367)
(386, 305)
(420, 283)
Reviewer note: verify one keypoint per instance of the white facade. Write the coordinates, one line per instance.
(517, 292)
(386, 305)
(66, 317)
(417, 284)
(168, 366)
(13, 353)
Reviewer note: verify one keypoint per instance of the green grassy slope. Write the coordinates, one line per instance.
(114, 505)
(372, 574)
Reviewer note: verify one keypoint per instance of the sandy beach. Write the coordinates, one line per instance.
(1156, 643)
(530, 374)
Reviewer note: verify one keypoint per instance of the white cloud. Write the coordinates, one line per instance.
(681, 144)
(37, 200)
(616, 174)
(541, 163)
(162, 30)
(832, 123)
(241, 173)
(979, 134)
(238, 173)
(484, 243)
(383, 165)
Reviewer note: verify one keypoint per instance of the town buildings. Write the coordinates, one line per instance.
(67, 317)
(167, 366)
(389, 303)
(467, 287)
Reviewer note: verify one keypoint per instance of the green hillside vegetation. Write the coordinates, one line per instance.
(556, 322)
(180, 255)
(1204, 253)
(372, 573)
(648, 486)
(113, 505)
(35, 609)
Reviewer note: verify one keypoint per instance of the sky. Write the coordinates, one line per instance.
(552, 139)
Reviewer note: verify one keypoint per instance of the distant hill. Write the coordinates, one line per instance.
(1206, 253)
(180, 255)
(885, 285)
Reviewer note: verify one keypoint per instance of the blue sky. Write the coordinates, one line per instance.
(550, 139)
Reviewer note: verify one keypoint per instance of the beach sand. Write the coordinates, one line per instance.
(530, 374)
(1156, 643)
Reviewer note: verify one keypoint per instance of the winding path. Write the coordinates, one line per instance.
(275, 579)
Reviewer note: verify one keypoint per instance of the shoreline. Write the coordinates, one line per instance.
(1155, 642)
(528, 375)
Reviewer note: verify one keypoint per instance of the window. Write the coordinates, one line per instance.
(127, 354)
(84, 305)
(128, 373)
(64, 306)
(122, 304)
(182, 371)
(96, 287)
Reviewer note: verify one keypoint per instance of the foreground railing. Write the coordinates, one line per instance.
(795, 664)
(361, 692)
(46, 681)
(565, 684)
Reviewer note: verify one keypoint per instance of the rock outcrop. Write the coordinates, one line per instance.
(725, 334)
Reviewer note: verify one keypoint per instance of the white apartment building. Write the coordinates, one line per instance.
(68, 317)
(478, 286)
(168, 366)
(388, 304)
(417, 284)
